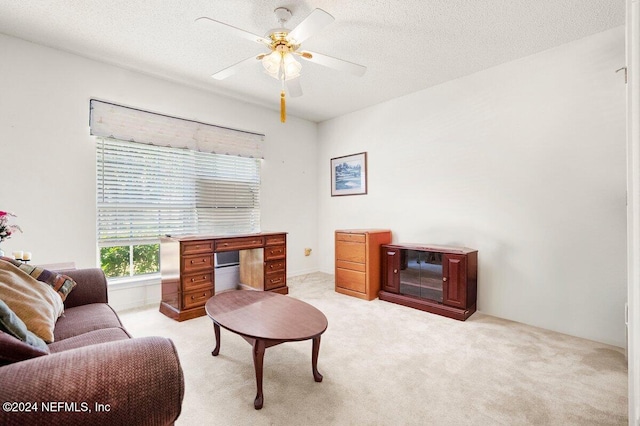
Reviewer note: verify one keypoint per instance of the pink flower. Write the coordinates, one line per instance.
(5, 229)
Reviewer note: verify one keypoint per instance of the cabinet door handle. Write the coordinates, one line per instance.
(444, 279)
(395, 271)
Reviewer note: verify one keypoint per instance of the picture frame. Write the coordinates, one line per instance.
(349, 175)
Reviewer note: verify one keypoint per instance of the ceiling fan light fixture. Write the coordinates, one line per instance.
(291, 67)
(281, 66)
(271, 64)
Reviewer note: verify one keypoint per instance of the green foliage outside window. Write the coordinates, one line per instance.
(146, 259)
(118, 262)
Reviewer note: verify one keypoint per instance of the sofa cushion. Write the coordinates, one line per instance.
(14, 326)
(91, 338)
(63, 284)
(82, 319)
(34, 302)
(14, 350)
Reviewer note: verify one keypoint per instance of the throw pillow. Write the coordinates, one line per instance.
(34, 302)
(60, 283)
(11, 324)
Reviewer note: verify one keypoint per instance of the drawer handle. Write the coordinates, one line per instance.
(444, 279)
(201, 261)
(276, 280)
(200, 297)
(395, 271)
(194, 280)
(391, 253)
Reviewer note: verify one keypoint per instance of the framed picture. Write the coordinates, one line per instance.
(349, 175)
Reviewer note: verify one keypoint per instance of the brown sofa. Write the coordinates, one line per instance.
(95, 372)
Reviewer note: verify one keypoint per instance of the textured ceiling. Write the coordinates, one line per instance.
(406, 45)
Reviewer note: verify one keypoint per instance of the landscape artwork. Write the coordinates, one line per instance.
(349, 175)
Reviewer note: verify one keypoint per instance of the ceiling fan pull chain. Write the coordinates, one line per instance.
(283, 108)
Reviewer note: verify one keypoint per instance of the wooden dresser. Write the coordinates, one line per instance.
(187, 268)
(358, 261)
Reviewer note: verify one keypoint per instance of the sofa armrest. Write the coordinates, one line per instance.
(133, 382)
(91, 288)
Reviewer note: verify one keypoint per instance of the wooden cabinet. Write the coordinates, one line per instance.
(187, 268)
(358, 261)
(437, 279)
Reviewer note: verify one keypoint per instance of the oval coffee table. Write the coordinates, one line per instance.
(266, 319)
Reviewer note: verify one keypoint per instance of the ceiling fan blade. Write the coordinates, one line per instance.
(314, 22)
(335, 63)
(229, 71)
(230, 29)
(293, 87)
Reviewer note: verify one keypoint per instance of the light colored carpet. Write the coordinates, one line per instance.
(386, 364)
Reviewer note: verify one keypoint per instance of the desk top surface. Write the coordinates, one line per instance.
(215, 237)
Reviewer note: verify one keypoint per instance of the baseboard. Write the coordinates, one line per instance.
(302, 272)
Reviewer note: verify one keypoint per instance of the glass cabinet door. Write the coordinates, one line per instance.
(421, 274)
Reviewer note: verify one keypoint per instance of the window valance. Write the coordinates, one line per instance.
(130, 124)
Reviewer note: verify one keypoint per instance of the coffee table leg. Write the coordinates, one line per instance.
(216, 331)
(314, 359)
(258, 358)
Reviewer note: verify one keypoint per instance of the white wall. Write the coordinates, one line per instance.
(47, 158)
(524, 162)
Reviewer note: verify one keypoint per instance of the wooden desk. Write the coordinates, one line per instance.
(187, 268)
(266, 319)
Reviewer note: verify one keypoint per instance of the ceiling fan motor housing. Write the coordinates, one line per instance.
(282, 15)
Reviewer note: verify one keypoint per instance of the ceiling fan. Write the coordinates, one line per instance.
(284, 45)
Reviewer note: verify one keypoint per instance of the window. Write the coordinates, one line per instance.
(147, 191)
(158, 174)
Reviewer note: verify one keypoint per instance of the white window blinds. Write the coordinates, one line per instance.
(129, 124)
(146, 191)
(160, 175)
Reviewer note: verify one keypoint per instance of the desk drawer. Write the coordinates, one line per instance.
(197, 262)
(194, 299)
(275, 280)
(275, 252)
(194, 281)
(272, 240)
(239, 243)
(274, 266)
(194, 247)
